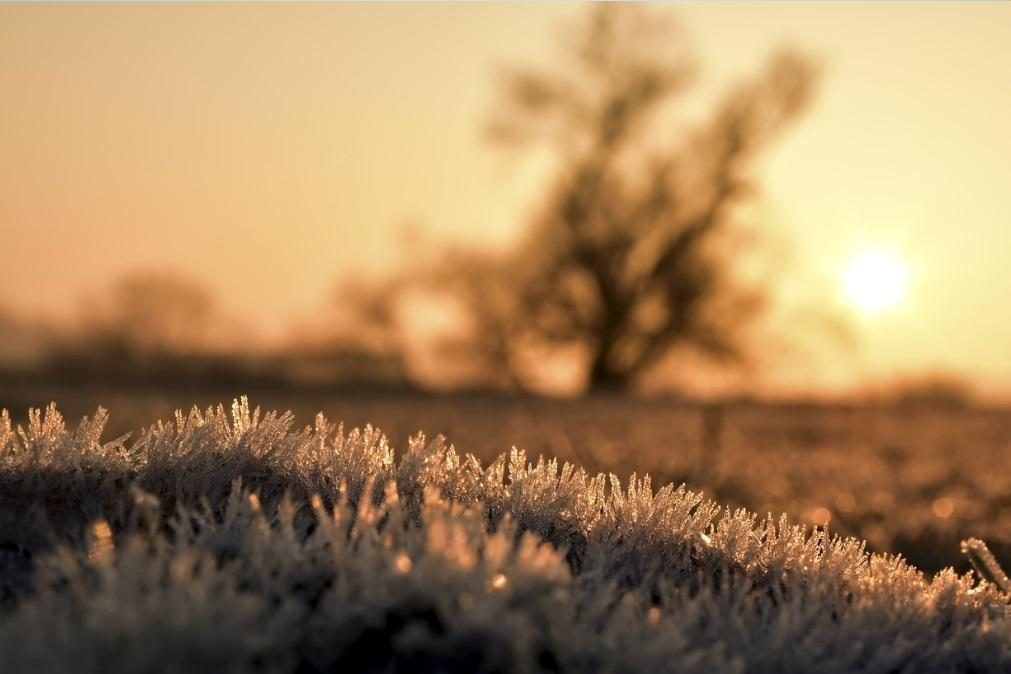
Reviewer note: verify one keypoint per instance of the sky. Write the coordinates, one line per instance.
(268, 150)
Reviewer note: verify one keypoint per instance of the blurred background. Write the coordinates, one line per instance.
(759, 248)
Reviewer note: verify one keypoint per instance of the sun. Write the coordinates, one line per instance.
(875, 280)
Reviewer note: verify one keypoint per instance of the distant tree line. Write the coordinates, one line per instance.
(161, 328)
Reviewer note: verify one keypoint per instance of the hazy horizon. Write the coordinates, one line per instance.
(268, 150)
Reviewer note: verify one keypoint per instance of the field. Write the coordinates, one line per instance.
(914, 482)
(248, 544)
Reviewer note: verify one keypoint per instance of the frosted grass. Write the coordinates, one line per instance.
(236, 542)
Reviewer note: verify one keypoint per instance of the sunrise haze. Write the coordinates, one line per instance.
(267, 150)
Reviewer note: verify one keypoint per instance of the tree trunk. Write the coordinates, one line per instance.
(605, 379)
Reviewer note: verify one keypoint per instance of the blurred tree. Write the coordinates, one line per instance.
(148, 324)
(365, 316)
(151, 315)
(938, 389)
(23, 342)
(632, 253)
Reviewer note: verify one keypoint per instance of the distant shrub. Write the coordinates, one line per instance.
(934, 391)
(240, 544)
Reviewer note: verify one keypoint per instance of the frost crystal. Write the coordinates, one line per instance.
(232, 541)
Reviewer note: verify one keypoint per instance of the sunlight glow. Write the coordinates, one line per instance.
(875, 280)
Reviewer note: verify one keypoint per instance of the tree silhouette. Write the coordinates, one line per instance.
(145, 320)
(631, 255)
(159, 313)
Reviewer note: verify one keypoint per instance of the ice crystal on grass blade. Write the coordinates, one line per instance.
(986, 566)
(230, 540)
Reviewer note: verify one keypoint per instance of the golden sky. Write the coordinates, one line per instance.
(269, 149)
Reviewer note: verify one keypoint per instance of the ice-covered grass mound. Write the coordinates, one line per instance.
(237, 543)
